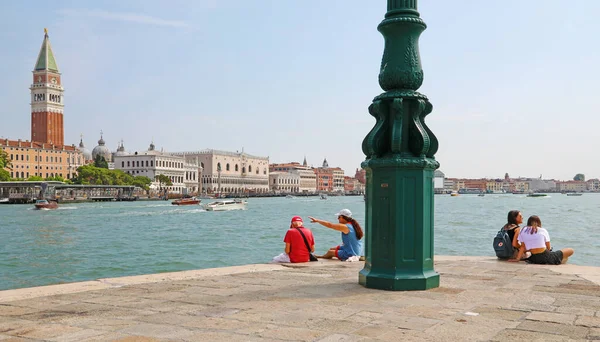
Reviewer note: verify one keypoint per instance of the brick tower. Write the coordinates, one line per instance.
(47, 98)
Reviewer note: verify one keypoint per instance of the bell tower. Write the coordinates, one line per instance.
(47, 98)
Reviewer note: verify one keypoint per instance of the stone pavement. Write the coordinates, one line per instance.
(479, 299)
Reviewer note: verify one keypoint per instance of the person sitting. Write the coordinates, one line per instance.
(295, 247)
(535, 239)
(512, 228)
(352, 233)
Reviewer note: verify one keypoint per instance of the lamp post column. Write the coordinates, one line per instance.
(400, 163)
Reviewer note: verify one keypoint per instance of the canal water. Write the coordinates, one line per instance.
(97, 240)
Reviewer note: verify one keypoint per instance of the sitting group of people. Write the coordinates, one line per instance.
(532, 242)
(300, 242)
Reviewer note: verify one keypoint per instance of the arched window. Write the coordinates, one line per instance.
(202, 165)
(138, 163)
(128, 163)
(257, 170)
(243, 170)
(218, 166)
(250, 168)
(227, 167)
(146, 163)
(236, 167)
(27, 157)
(122, 164)
(152, 163)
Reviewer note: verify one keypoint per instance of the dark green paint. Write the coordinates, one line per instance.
(400, 163)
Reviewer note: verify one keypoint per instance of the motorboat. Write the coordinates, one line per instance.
(481, 194)
(186, 201)
(4, 200)
(46, 205)
(574, 194)
(323, 196)
(226, 205)
(454, 193)
(290, 196)
(537, 195)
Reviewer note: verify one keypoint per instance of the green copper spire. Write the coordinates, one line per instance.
(45, 60)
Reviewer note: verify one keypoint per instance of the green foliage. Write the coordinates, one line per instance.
(90, 174)
(55, 178)
(579, 177)
(35, 179)
(162, 179)
(4, 160)
(100, 162)
(4, 175)
(142, 182)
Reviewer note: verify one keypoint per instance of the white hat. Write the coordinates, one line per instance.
(344, 212)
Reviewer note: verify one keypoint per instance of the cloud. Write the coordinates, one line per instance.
(125, 17)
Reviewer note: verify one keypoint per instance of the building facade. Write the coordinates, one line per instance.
(284, 182)
(308, 178)
(153, 163)
(226, 172)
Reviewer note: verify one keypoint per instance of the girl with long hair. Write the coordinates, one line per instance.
(351, 231)
(535, 239)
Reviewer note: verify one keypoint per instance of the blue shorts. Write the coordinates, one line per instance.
(341, 254)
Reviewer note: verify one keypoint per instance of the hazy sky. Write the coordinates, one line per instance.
(513, 83)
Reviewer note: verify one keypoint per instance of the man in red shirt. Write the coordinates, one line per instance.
(294, 243)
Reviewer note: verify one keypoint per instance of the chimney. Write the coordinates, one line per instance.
(19, 142)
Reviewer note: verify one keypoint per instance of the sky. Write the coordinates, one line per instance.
(513, 83)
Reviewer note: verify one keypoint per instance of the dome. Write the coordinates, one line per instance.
(151, 150)
(87, 155)
(102, 150)
(121, 150)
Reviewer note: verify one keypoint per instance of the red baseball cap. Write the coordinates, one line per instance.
(296, 219)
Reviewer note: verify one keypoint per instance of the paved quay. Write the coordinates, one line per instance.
(479, 299)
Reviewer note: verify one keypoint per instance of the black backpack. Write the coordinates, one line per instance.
(502, 245)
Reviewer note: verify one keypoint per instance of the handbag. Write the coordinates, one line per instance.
(310, 255)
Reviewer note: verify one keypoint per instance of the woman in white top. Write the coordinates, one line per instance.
(536, 240)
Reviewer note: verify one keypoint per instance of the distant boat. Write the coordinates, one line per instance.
(537, 195)
(323, 196)
(454, 193)
(290, 196)
(45, 205)
(4, 200)
(186, 201)
(481, 195)
(574, 194)
(227, 205)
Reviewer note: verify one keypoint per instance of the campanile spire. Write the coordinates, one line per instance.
(47, 100)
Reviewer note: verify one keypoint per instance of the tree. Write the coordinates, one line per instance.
(164, 179)
(142, 182)
(4, 175)
(579, 177)
(100, 162)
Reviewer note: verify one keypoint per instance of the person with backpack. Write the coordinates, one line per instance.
(535, 239)
(506, 244)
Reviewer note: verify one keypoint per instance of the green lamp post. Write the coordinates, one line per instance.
(400, 163)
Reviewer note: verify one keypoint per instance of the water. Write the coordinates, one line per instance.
(97, 240)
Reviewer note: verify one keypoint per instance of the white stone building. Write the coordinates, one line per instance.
(284, 182)
(152, 163)
(231, 172)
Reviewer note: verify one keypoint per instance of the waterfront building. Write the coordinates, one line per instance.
(45, 155)
(571, 186)
(284, 182)
(593, 184)
(152, 163)
(308, 178)
(539, 184)
(438, 182)
(361, 175)
(30, 158)
(353, 186)
(329, 179)
(231, 172)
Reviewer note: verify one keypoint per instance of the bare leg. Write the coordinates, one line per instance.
(567, 252)
(330, 254)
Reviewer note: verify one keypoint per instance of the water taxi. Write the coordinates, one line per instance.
(186, 201)
(323, 196)
(226, 205)
(537, 195)
(454, 193)
(45, 205)
(574, 194)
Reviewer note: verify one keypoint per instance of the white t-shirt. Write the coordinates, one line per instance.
(537, 240)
